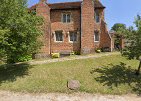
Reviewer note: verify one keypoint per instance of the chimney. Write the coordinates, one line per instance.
(43, 10)
(43, 0)
(87, 27)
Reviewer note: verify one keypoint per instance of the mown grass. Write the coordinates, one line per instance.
(95, 76)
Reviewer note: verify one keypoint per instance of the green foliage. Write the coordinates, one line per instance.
(19, 30)
(118, 26)
(72, 53)
(98, 50)
(75, 53)
(55, 55)
(120, 31)
(2, 40)
(133, 36)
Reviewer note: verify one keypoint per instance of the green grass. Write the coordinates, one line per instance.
(95, 76)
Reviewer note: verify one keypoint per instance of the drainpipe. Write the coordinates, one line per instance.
(81, 29)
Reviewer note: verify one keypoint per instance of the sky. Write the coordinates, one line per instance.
(117, 11)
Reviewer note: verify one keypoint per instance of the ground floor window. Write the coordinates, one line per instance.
(58, 36)
(73, 37)
(96, 37)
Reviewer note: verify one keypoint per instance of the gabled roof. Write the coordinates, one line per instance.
(69, 5)
(98, 4)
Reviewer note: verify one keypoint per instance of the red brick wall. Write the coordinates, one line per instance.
(89, 26)
(105, 40)
(74, 25)
(43, 10)
(87, 44)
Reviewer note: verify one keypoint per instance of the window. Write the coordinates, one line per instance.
(73, 37)
(97, 16)
(96, 37)
(66, 18)
(59, 36)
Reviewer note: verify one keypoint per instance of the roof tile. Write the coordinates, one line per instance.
(69, 5)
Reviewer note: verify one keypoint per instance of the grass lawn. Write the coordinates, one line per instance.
(107, 75)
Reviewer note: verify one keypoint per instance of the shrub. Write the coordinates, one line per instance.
(98, 50)
(18, 58)
(72, 53)
(55, 55)
(77, 52)
(25, 58)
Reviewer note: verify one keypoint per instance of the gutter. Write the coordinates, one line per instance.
(81, 29)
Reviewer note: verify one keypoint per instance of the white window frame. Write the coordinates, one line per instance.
(56, 38)
(95, 38)
(66, 17)
(76, 37)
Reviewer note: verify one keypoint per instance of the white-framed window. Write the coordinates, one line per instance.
(66, 17)
(73, 36)
(97, 16)
(96, 37)
(59, 36)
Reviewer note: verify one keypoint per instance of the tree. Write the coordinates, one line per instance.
(133, 35)
(2, 40)
(118, 26)
(19, 31)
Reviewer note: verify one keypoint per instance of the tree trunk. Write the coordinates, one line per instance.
(138, 71)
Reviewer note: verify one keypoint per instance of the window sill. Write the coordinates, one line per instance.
(58, 41)
(96, 41)
(73, 41)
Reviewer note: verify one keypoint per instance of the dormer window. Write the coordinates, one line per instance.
(97, 16)
(66, 17)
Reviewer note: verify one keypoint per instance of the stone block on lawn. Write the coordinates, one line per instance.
(73, 84)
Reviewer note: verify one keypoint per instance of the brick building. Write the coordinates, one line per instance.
(73, 26)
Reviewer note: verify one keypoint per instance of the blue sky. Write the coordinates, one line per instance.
(117, 11)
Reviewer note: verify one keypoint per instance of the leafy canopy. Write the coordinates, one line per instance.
(133, 37)
(19, 31)
(116, 27)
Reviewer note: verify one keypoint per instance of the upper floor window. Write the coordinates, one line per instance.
(73, 37)
(58, 36)
(97, 16)
(66, 17)
(96, 37)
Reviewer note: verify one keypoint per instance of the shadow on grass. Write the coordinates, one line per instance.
(9, 72)
(115, 75)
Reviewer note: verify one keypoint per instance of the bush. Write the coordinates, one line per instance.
(98, 50)
(25, 58)
(55, 55)
(77, 52)
(72, 53)
(19, 58)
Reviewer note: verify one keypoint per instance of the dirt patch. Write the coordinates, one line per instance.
(11, 96)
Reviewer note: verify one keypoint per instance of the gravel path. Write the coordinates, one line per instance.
(33, 62)
(9, 96)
